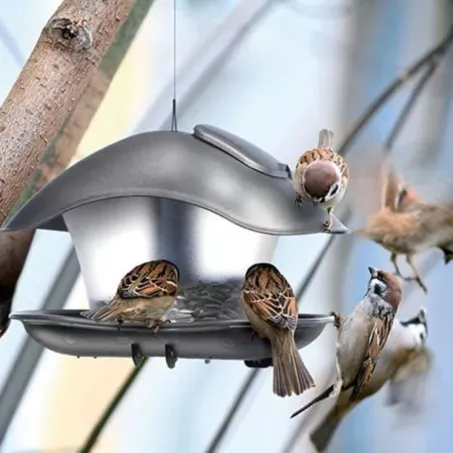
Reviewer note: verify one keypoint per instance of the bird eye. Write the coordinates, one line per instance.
(334, 189)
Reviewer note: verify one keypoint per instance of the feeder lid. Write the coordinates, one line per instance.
(243, 151)
(211, 169)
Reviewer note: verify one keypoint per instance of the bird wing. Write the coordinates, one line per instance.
(151, 279)
(376, 341)
(365, 183)
(275, 306)
(391, 186)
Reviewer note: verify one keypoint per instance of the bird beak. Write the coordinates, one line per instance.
(372, 271)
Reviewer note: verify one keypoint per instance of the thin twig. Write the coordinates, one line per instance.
(410, 103)
(111, 408)
(432, 55)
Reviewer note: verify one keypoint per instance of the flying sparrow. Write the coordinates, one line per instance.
(145, 294)
(404, 360)
(407, 225)
(271, 308)
(362, 335)
(321, 176)
(409, 200)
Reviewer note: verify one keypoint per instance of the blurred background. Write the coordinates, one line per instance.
(274, 72)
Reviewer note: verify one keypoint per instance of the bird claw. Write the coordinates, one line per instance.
(328, 225)
(120, 323)
(336, 319)
(418, 280)
(155, 325)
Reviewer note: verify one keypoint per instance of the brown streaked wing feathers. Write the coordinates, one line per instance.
(376, 342)
(277, 307)
(152, 279)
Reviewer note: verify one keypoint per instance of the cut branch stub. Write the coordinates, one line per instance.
(69, 34)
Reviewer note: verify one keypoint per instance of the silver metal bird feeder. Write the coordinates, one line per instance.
(210, 202)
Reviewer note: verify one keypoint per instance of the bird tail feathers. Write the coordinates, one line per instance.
(290, 374)
(322, 396)
(325, 139)
(106, 313)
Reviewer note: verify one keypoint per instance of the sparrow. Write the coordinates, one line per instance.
(406, 225)
(409, 200)
(362, 335)
(402, 362)
(145, 294)
(321, 176)
(271, 308)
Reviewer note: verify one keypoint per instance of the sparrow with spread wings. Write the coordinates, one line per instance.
(362, 335)
(321, 176)
(404, 365)
(271, 308)
(407, 225)
(145, 294)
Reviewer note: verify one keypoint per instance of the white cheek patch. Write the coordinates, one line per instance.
(419, 332)
(378, 283)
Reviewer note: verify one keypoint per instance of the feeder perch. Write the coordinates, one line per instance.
(209, 201)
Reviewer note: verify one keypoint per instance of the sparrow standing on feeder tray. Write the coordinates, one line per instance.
(362, 336)
(321, 176)
(271, 308)
(145, 294)
(404, 364)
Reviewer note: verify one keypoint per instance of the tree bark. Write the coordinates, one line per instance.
(60, 67)
(15, 245)
(70, 136)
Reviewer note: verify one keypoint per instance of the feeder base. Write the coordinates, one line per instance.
(66, 332)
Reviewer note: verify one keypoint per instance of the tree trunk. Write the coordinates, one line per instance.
(15, 245)
(60, 67)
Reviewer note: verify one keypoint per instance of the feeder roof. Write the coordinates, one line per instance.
(211, 169)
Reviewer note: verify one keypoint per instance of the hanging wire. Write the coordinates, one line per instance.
(174, 120)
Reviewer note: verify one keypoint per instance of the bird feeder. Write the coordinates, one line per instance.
(211, 202)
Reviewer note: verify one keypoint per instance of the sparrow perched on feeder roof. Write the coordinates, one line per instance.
(405, 224)
(321, 176)
(404, 364)
(145, 294)
(362, 335)
(271, 307)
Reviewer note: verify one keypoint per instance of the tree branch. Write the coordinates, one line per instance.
(105, 417)
(60, 67)
(431, 56)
